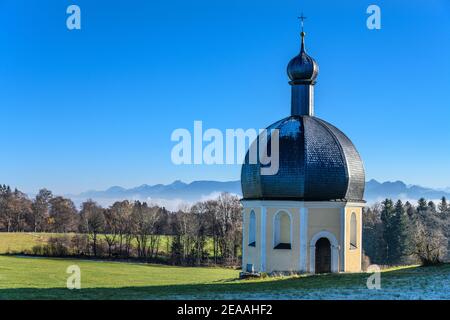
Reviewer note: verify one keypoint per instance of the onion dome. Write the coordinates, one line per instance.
(303, 68)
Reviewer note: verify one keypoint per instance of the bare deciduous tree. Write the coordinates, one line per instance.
(93, 221)
(429, 245)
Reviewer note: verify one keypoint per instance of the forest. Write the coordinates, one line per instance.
(208, 232)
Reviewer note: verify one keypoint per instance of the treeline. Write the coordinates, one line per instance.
(207, 232)
(403, 233)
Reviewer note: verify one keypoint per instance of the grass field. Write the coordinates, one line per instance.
(43, 278)
(19, 242)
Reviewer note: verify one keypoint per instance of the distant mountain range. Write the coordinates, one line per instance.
(376, 191)
(177, 193)
(177, 190)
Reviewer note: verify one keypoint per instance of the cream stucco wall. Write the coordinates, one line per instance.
(323, 219)
(251, 255)
(283, 259)
(328, 217)
(353, 256)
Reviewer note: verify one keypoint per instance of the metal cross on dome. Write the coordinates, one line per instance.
(302, 18)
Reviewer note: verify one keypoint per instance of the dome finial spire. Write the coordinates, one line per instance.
(302, 19)
(302, 71)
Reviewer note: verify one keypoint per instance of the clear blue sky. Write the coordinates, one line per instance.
(94, 108)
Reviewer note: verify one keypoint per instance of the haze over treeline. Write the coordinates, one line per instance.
(178, 193)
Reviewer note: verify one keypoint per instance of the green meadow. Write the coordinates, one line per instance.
(19, 242)
(24, 277)
(16, 242)
(44, 278)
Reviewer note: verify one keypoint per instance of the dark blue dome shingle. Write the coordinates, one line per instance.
(317, 162)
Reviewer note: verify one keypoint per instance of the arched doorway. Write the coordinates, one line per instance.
(332, 245)
(323, 256)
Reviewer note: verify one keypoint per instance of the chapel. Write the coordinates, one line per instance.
(307, 217)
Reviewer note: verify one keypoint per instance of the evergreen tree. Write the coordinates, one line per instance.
(395, 232)
(373, 242)
(410, 211)
(432, 207)
(422, 204)
(422, 209)
(401, 230)
(444, 216)
(443, 208)
(387, 215)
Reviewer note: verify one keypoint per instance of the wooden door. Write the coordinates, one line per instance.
(323, 256)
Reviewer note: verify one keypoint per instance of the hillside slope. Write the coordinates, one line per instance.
(42, 278)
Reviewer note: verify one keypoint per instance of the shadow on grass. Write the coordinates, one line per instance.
(226, 287)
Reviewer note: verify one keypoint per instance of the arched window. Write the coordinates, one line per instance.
(282, 231)
(252, 229)
(353, 232)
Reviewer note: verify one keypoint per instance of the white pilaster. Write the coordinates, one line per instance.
(342, 241)
(360, 239)
(263, 235)
(303, 239)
